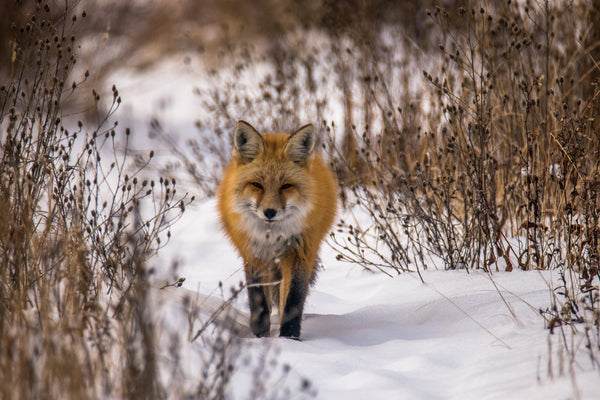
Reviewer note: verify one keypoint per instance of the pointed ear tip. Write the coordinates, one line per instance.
(307, 128)
(243, 127)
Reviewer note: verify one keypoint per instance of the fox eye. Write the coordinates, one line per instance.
(257, 185)
(286, 186)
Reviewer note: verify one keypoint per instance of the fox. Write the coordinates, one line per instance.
(277, 201)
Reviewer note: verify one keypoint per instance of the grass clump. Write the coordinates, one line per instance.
(76, 231)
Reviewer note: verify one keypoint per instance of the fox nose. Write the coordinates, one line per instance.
(270, 213)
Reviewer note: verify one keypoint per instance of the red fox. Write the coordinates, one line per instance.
(277, 201)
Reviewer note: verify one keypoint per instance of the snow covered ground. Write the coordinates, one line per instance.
(368, 336)
(365, 336)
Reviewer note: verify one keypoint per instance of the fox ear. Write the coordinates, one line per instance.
(247, 142)
(300, 145)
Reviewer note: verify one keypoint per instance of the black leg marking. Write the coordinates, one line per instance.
(260, 321)
(315, 271)
(294, 306)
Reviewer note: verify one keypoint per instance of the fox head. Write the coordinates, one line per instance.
(273, 180)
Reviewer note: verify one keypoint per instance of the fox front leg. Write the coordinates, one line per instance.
(291, 318)
(292, 295)
(260, 312)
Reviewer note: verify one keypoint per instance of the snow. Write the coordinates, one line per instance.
(367, 335)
